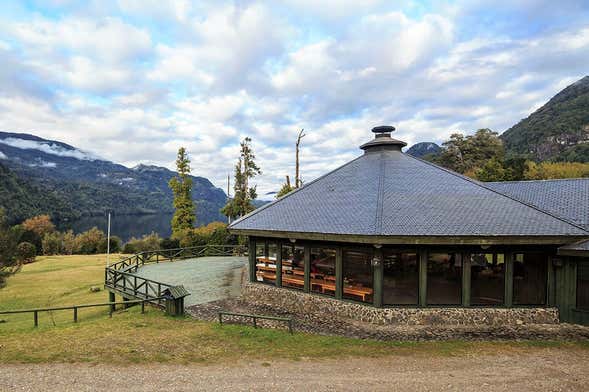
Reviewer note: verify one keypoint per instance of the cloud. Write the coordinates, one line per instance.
(48, 148)
(3, 156)
(132, 80)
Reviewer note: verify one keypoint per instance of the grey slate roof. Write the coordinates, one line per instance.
(568, 198)
(388, 193)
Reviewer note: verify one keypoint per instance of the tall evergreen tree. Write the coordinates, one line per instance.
(184, 215)
(9, 239)
(245, 169)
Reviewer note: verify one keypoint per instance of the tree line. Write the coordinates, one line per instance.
(482, 156)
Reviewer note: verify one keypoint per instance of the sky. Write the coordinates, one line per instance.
(133, 80)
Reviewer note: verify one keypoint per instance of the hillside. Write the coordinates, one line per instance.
(420, 150)
(59, 179)
(559, 130)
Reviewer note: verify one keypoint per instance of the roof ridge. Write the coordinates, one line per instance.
(380, 196)
(546, 180)
(257, 210)
(497, 192)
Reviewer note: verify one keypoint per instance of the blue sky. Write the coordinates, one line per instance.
(132, 80)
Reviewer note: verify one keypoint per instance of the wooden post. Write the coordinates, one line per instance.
(111, 298)
(509, 279)
(75, 314)
(36, 318)
(422, 277)
(339, 272)
(550, 284)
(142, 307)
(307, 268)
(252, 259)
(279, 264)
(378, 273)
(465, 279)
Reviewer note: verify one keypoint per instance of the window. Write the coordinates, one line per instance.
(583, 285)
(323, 271)
(266, 263)
(487, 279)
(293, 266)
(529, 279)
(358, 275)
(401, 278)
(444, 279)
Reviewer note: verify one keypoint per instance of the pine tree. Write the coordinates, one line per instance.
(245, 169)
(184, 214)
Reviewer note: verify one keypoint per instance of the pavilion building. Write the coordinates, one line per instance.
(392, 231)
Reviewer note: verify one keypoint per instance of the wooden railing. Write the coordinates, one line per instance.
(75, 308)
(120, 276)
(255, 318)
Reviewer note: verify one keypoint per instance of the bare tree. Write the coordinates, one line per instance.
(298, 181)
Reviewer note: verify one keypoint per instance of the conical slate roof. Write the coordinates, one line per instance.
(385, 193)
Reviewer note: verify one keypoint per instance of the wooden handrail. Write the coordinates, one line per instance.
(76, 307)
(255, 317)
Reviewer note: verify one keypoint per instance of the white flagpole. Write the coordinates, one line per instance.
(108, 242)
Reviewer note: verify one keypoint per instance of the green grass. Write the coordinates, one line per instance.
(132, 337)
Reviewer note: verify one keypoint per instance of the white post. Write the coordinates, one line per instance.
(108, 242)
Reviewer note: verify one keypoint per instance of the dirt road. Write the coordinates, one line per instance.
(537, 370)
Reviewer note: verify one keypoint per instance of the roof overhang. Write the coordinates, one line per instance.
(577, 249)
(413, 240)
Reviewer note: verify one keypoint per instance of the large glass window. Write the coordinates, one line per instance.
(358, 275)
(293, 266)
(323, 270)
(583, 285)
(444, 279)
(529, 279)
(266, 264)
(487, 279)
(401, 278)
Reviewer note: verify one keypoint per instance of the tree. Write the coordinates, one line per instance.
(9, 239)
(493, 170)
(40, 225)
(463, 154)
(286, 188)
(245, 169)
(184, 214)
(26, 252)
(552, 170)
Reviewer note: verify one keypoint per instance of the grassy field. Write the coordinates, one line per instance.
(132, 337)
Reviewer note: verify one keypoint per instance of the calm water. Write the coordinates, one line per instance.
(124, 226)
(206, 278)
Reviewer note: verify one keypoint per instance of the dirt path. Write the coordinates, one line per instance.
(538, 370)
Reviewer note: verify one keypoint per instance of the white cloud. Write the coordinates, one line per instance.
(48, 148)
(3, 156)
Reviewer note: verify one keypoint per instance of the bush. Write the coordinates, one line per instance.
(32, 237)
(52, 243)
(26, 252)
(169, 243)
(40, 224)
(146, 243)
(89, 241)
(215, 233)
(68, 242)
(115, 245)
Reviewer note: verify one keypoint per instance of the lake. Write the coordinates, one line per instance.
(123, 226)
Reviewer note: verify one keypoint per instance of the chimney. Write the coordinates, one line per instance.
(383, 140)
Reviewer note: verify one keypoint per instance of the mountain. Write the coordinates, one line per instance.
(559, 130)
(422, 149)
(49, 176)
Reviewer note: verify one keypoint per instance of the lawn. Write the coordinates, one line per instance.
(132, 337)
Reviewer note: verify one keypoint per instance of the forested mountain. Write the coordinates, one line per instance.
(559, 130)
(423, 149)
(46, 176)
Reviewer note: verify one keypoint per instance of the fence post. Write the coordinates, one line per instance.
(290, 325)
(142, 307)
(75, 314)
(36, 318)
(255, 322)
(220, 318)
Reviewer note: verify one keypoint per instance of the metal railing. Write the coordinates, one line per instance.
(255, 318)
(75, 309)
(120, 276)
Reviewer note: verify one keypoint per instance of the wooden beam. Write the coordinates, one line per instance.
(279, 264)
(307, 260)
(339, 272)
(422, 277)
(378, 272)
(466, 267)
(508, 300)
(252, 258)
(415, 240)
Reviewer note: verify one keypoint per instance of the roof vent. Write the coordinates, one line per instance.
(383, 140)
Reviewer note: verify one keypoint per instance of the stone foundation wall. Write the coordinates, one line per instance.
(304, 303)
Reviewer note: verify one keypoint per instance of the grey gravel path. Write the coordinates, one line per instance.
(539, 370)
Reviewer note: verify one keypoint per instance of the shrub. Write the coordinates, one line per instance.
(115, 245)
(215, 233)
(89, 241)
(147, 242)
(40, 224)
(169, 243)
(52, 243)
(68, 242)
(26, 252)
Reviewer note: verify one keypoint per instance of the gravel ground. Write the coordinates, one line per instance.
(538, 370)
(337, 326)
